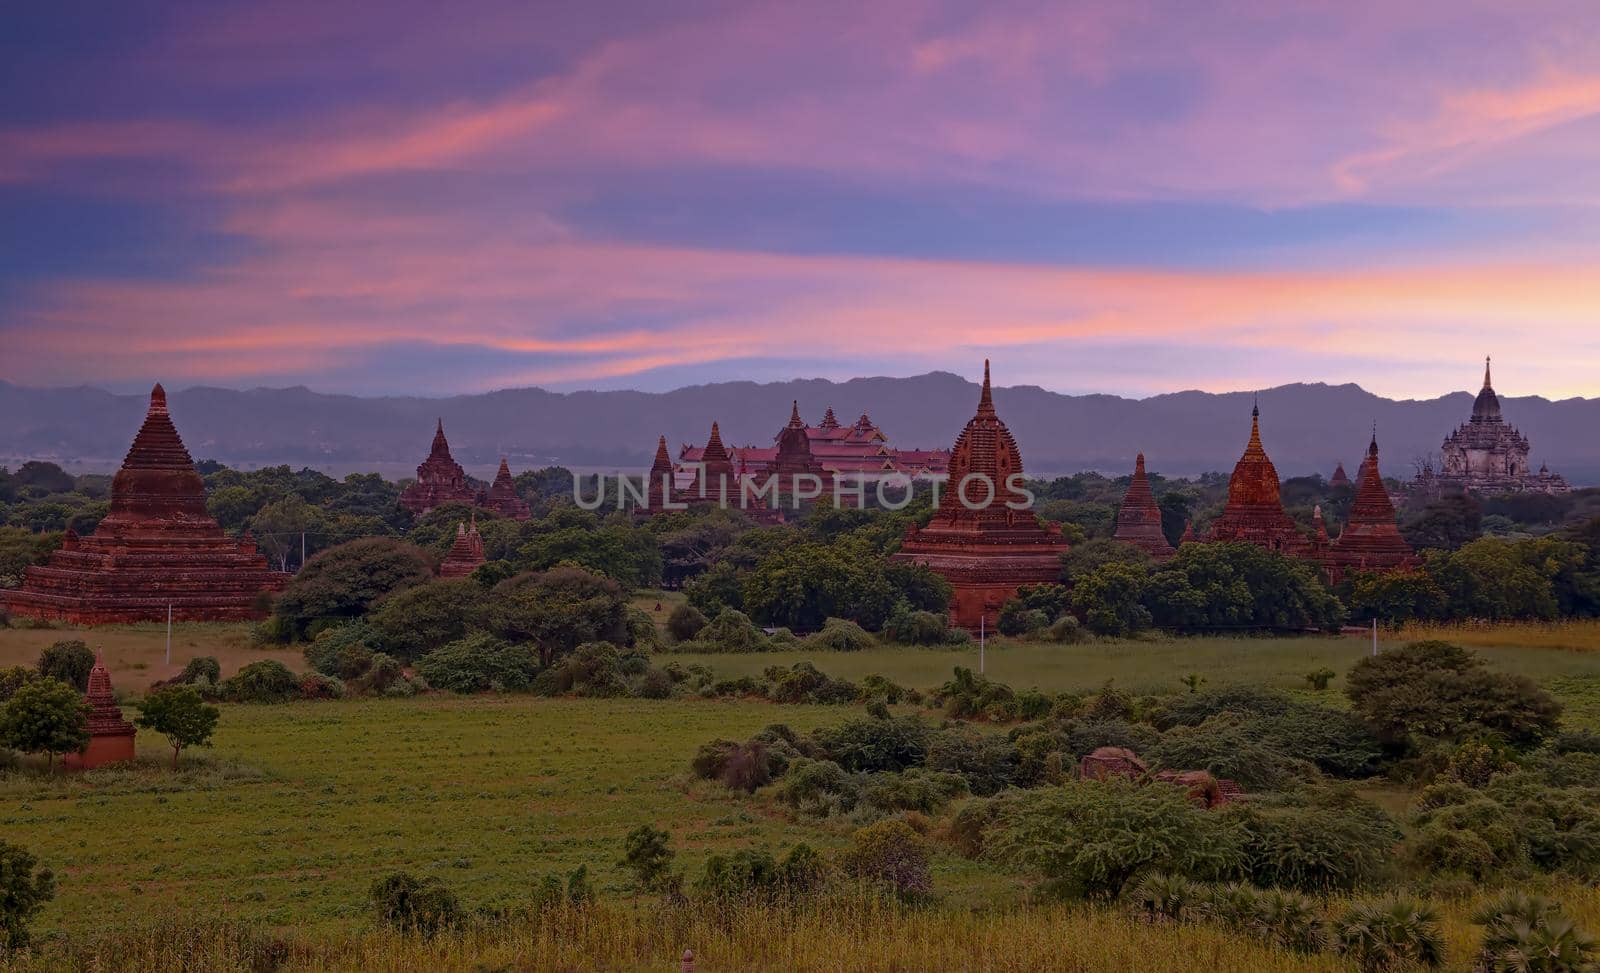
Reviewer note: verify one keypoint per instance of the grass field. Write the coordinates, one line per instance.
(299, 807)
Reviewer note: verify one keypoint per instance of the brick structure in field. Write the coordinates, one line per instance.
(440, 480)
(465, 554)
(110, 736)
(157, 549)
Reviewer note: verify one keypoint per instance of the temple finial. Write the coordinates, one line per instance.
(986, 399)
(158, 399)
(1486, 371)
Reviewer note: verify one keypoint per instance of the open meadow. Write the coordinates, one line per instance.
(287, 820)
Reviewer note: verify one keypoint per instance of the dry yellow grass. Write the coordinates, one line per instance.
(136, 654)
(1578, 635)
(845, 935)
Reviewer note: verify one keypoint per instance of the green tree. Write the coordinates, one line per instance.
(628, 554)
(1085, 558)
(1109, 599)
(558, 610)
(1235, 586)
(1492, 579)
(47, 717)
(344, 582)
(411, 622)
(801, 586)
(1445, 524)
(1437, 690)
(181, 715)
(20, 548)
(24, 890)
(69, 661)
(647, 854)
(479, 663)
(1396, 597)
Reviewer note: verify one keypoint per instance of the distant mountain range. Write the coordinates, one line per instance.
(1306, 428)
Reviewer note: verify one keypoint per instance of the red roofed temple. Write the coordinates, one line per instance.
(440, 480)
(1139, 519)
(1254, 512)
(1370, 540)
(985, 548)
(157, 547)
(502, 496)
(110, 736)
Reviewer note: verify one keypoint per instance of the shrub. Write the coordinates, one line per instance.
(344, 651)
(1170, 897)
(685, 622)
(889, 855)
(558, 610)
(410, 904)
(314, 685)
(1065, 630)
(654, 683)
(732, 631)
(68, 661)
(969, 695)
(264, 681)
(23, 892)
(479, 663)
(179, 714)
(1442, 691)
(1389, 935)
(739, 766)
(203, 667)
(1016, 618)
(1092, 838)
(384, 673)
(754, 874)
(916, 627)
(880, 687)
(840, 635)
(1318, 679)
(987, 762)
(819, 787)
(875, 744)
(913, 790)
(1328, 842)
(1084, 736)
(1529, 933)
(1225, 746)
(646, 854)
(551, 892)
(595, 670)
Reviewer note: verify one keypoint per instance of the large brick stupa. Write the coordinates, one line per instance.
(157, 549)
(992, 544)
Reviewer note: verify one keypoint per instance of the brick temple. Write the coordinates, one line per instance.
(1254, 512)
(1139, 518)
(502, 497)
(465, 554)
(987, 549)
(440, 480)
(1370, 540)
(860, 449)
(156, 548)
(110, 736)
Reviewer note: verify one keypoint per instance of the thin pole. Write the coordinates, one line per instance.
(302, 548)
(982, 618)
(169, 633)
(1374, 635)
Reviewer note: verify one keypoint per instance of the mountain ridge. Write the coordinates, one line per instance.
(1307, 426)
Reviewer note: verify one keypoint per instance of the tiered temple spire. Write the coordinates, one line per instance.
(983, 539)
(157, 549)
(1139, 519)
(110, 736)
(465, 554)
(440, 479)
(502, 496)
(1370, 540)
(1254, 512)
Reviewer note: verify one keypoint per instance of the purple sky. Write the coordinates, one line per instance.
(1124, 197)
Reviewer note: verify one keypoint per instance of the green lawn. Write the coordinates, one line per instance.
(299, 807)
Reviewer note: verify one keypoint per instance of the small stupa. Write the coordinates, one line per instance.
(110, 736)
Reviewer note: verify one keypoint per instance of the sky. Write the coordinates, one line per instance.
(1125, 197)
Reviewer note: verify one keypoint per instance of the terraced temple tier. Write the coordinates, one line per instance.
(157, 549)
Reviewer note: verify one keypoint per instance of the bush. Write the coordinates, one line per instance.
(264, 681)
(1016, 618)
(1390, 935)
(819, 787)
(751, 874)
(479, 663)
(739, 766)
(384, 673)
(988, 762)
(732, 631)
(889, 855)
(645, 853)
(1092, 838)
(68, 661)
(204, 667)
(1326, 842)
(314, 685)
(916, 627)
(410, 904)
(803, 683)
(344, 651)
(23, 892)
(1441, 691)
(840, 635)
(685, 622)
(1530, 933)
(1225, 747)
(924, 791)
(874, 744)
